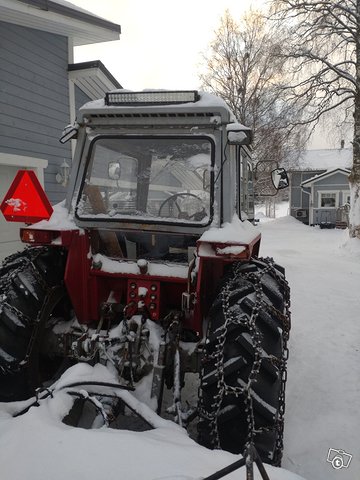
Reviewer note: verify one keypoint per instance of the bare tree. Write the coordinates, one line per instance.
(244, 66)
(324, 54)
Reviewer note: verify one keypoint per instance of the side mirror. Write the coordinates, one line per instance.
(114, 170)
(238, 134)
(69, 132)
(280, 178)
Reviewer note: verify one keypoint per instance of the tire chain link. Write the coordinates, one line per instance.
(25, 261)
(249, 322)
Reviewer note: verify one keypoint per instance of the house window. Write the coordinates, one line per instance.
(328, 199)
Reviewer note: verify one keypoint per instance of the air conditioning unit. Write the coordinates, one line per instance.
(301, 213)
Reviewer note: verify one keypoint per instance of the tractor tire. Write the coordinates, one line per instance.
(31, 292)
(243, 374)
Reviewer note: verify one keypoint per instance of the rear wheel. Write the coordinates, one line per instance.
(243, 373)
(31, 293)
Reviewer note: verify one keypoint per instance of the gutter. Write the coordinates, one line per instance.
(82, 16)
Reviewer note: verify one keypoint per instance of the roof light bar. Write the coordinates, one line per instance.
(151, 97)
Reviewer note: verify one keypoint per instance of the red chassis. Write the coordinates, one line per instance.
(90, 285)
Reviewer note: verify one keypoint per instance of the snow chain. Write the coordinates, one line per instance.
(223, 388)
(24, 263)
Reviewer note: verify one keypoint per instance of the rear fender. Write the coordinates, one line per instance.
(228, 251)
(212, 259)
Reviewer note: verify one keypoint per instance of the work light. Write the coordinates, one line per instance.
(151, 97)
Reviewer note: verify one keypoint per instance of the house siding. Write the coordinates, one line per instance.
(80, 99)
(335, 180)
(299, 199)
(34, 105)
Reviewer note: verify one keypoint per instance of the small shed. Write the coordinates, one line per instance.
(319, 185)
(327, 192)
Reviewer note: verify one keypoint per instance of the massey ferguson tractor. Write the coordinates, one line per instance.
(151, 267)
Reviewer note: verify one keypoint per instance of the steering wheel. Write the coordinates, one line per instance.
(172, 200)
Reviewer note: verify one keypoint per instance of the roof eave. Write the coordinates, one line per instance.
(82, 27)
(311, 181)
(93, 78)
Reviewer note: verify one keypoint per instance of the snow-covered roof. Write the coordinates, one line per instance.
(325, 159)
(326, 174)
(59, 17)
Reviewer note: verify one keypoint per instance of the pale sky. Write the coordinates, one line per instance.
(161, 41)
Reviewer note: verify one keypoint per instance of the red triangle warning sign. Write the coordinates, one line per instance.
(26, 200)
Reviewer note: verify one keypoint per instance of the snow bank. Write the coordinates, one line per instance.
(351, 245)
(323, 387)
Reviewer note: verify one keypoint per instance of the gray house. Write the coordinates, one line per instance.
(319, 187)
(41, 89)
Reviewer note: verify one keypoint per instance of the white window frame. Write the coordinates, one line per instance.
(334, 192)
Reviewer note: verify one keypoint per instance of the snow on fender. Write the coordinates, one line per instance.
(235, 240)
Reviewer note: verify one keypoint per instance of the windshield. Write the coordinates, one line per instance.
(148, 179)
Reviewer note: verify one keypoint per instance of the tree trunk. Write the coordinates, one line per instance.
(270, 207)
(354, 178)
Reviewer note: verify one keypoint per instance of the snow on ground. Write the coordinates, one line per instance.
(323, 392)
(322, 409)
(38, 446)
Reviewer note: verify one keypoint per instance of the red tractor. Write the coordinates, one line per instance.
(151, 268)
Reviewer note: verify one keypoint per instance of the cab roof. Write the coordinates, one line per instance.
(205, 103)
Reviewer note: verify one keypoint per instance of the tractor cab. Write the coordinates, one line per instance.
(157, 169)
